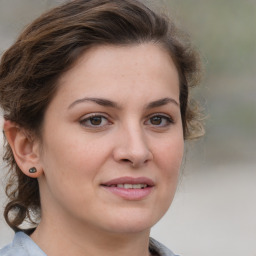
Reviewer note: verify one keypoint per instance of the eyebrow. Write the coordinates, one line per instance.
(99, 101)
(162, 102)
(111, 104)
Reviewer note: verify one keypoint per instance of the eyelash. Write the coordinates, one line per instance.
(168, 121)
(94, 116)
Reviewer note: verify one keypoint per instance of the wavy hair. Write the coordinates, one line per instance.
(51, 45)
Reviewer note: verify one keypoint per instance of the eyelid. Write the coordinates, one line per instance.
(167, 117)
(93, 114)
(87, 117)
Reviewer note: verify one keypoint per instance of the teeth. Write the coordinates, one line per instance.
(131, 186)
(139, 186)
(128, 186)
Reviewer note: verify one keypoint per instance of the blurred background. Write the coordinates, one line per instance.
(214, 212)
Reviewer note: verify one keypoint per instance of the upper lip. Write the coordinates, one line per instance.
(130, 180)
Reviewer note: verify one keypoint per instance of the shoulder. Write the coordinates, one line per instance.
(159, 249)
(22, 245)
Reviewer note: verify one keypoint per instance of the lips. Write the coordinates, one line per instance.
(130, 188)
(129, 180)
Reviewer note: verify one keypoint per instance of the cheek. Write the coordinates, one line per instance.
(70, 168)
(74, 159)
(168, 159)
(170, 153)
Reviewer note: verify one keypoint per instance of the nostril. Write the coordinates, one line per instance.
(128, 161)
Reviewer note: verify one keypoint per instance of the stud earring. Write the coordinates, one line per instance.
(32, 170)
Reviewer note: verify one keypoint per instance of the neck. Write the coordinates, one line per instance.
(77, 240)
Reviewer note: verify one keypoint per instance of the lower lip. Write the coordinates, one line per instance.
(130, 194)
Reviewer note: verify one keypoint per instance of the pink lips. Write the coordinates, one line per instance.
(122, 187)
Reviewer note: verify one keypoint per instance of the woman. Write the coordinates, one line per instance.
(95, 100)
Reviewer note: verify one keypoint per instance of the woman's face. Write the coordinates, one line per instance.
(112, 140)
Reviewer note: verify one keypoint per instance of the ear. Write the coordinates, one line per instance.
(25, 149)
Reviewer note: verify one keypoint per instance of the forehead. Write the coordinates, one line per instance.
(106, 69)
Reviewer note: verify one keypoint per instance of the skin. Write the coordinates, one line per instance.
(137, 132)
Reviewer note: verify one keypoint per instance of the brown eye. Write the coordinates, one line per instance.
(156, 120)
(96, 120)
(159, 121)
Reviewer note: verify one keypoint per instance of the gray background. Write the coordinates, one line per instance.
(214, 212)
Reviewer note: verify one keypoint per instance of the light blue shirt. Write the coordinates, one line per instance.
(23, 245)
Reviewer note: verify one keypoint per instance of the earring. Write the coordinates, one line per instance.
(32, 170)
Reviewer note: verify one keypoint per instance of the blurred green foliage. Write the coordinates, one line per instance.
(224, 31)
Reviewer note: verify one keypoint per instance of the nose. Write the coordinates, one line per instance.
(132, 148)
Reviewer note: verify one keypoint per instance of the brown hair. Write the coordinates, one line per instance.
(30, 69)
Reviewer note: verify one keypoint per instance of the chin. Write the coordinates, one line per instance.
(129, 228)
(132, 222)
